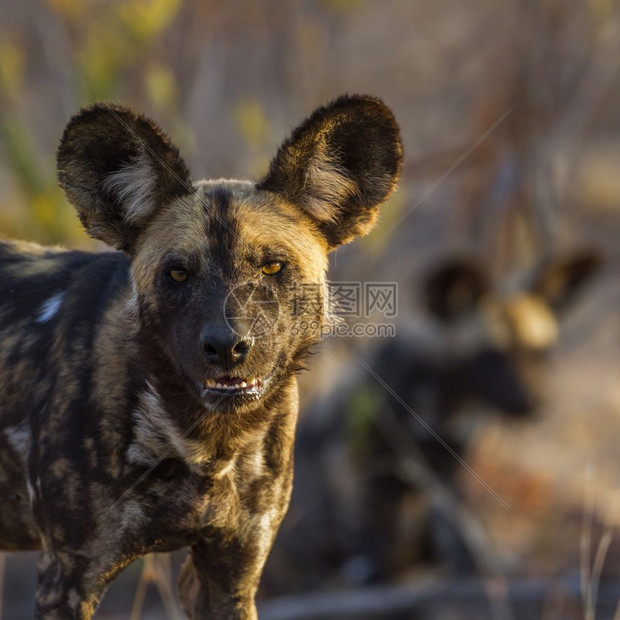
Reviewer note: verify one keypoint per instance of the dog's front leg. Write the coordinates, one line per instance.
(70, 585)
(219, 580)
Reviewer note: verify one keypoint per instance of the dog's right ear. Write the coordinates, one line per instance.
(560, 279)
(117, 169)
(454, 288)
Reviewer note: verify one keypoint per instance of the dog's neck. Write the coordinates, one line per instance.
(205, 441)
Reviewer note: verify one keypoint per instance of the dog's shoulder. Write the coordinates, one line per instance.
(36, 280)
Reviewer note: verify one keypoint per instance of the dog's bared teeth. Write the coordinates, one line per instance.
(233, 384)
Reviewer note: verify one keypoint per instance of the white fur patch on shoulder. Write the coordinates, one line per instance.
(155, 432)
(134, 186)
(50, 308)
(19, 439)
(157, 435)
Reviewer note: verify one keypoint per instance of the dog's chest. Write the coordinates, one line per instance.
(180, 503)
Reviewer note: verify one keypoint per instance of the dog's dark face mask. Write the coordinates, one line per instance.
(222, 301)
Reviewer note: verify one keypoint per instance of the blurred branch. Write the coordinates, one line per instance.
(157, 570)
(527, 598)
(415, 470)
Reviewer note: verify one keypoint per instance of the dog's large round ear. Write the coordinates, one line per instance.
(454, 288)
(339, 166)
(117, 169)
(560, 279)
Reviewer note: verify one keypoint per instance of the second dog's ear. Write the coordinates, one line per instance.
(339, 166)
(560, 279)
(454, 288)
(117, 168)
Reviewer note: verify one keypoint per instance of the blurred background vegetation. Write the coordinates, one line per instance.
(511, 127)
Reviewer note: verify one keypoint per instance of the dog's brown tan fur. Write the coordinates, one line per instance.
(116, 440)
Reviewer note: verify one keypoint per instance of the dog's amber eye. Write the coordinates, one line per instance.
(272, 269)
(178, 275)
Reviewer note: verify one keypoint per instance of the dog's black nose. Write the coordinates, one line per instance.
(224, 347)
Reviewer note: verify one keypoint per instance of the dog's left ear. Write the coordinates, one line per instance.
(117, 169)
(455, 288)
(560, 279)
(339, 166)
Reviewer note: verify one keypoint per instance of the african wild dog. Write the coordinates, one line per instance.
(389, 504)
(140, 411)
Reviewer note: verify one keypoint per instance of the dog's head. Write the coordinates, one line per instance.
(499, 342)
(224, 273)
